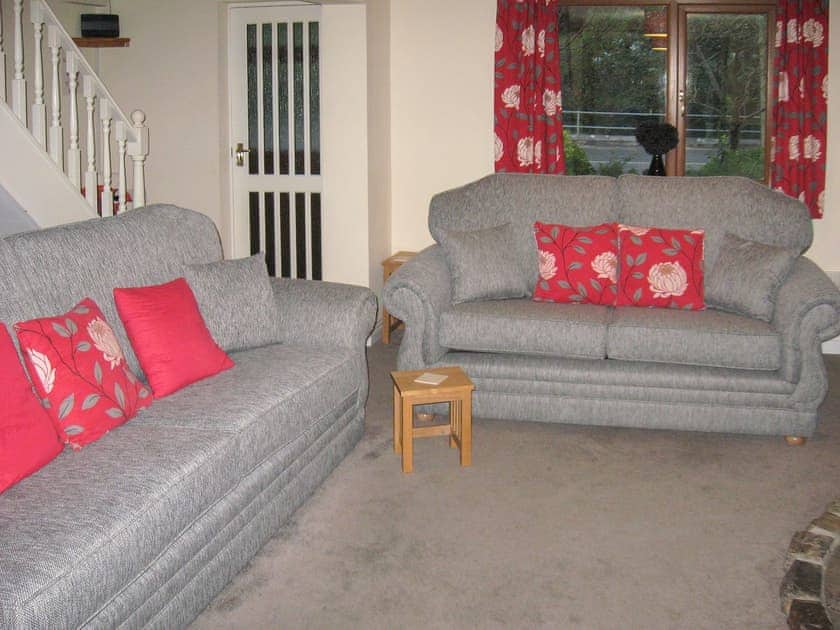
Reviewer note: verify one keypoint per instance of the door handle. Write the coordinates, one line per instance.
(239, 153)
(681, 97)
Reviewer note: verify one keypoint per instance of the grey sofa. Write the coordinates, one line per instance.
(634, 367)
(145, 526)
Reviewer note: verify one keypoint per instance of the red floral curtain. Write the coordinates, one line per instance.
(528, 109)
(799, 113)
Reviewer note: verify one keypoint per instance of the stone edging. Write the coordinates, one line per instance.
(802, 595)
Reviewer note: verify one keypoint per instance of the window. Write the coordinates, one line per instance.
(705, 68)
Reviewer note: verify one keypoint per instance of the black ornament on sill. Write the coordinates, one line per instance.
(657, 138)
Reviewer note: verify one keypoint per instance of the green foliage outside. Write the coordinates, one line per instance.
(576, 161)
(745, 162)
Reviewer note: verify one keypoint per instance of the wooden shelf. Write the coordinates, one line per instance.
(102, 42)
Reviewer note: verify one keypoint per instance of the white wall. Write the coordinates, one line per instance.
(13, 218)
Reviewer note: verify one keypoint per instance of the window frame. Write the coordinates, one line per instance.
(678, 11)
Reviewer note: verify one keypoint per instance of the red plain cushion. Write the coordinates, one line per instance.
(577, 264)
(78, 367)
(661, 267)
(28, 440)
(169, 336)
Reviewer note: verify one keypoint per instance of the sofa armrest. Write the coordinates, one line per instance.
(807, 313)
(324, 313)
(417, 293)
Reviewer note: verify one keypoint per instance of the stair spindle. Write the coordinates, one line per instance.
(39, 109)
(74, 154)
(2, 61)
(121, 151)
(107, 196)
(91, 177)
(138, 151)
(56, 132)
(19, 82)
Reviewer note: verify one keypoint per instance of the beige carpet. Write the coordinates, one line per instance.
(553, 526)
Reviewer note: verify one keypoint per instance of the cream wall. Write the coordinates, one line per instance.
(441, 121)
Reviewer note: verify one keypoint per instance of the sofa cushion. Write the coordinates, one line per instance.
(169, 335)
(236, 302)
(577, 264)
(747, 275)
(78, 367)
(711, 338)
(482, 264)
(527, 327)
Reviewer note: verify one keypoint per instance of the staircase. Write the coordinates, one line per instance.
(59, 161)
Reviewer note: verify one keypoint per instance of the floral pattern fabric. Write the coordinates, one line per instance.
(576, 264)
(528, 107)
(80, 373)
(660, 267)
(800, 110)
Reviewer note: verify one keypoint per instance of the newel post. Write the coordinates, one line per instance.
(139, 150)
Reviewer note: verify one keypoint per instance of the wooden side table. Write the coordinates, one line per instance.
(389, 266)
(457, 390)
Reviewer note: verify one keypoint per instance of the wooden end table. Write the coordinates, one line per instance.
(389, 266)
(456, 390)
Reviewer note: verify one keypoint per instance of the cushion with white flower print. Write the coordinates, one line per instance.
(80, 373)
(576, 264)
(660, 267)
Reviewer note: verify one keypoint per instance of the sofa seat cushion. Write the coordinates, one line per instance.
(269, 398)
(81, 529)
(527, 327)
(711, 338)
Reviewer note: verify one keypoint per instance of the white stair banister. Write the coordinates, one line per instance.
(91, 178)
(121, 152)
(107, 197)
(74, 157)
(19, 82)
(39, 109)
(2, 58)
(56, 131)
(138, 150)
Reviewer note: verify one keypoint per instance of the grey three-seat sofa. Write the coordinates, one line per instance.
(624, 366)
(143, 527)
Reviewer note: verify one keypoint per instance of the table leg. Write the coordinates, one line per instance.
(453, 422)
(397, 421)
(407, 436)
(466, 430)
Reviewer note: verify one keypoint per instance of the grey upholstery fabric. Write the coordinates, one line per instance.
(46, 272)
(710, 338)
(747, 275)
(521, 199)
(236, 302)
(716, 205)
(778, 379)
(145, 526)
(527, 327)
(482, 264)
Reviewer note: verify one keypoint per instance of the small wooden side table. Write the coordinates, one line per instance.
(389, 266)
(457, 390)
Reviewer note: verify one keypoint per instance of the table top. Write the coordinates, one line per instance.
(455, 379)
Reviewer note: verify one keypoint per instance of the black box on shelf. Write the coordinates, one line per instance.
(100, 25)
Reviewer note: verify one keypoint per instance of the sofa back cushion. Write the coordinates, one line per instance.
(521, 199)
(716, 205)
(45, 272)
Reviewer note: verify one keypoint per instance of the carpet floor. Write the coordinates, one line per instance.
(553, 526)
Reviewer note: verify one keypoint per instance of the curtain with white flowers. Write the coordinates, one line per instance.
(799, 112)
(528, 110)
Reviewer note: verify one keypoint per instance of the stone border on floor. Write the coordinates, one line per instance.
(802, 591)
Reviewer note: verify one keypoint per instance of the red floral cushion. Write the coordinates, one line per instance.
(79, 369)
(661, 267)
(28, 440)
(577, 264)
(169, 336)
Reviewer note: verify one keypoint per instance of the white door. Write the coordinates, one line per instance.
(275, 104)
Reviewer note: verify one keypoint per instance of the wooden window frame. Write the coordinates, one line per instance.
(678, 11)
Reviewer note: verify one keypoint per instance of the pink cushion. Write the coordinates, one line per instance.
(661, 267)
(577, 264)
(28, 440)
(78, 367)
(169, 336)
